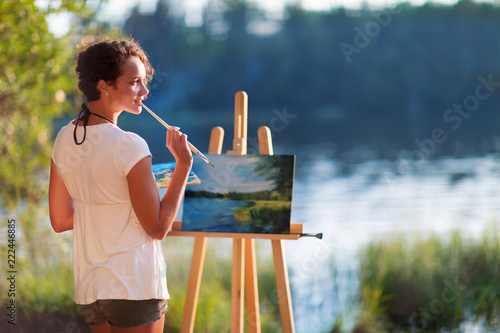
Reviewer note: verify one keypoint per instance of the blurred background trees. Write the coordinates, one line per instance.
(35, 79)
(411, 65)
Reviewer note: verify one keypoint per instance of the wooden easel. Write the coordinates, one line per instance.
(244, 271)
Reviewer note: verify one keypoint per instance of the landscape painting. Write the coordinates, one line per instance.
(242, 194)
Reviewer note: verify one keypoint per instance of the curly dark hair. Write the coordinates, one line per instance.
(98, 58)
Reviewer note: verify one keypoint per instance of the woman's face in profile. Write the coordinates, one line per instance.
(130, 87)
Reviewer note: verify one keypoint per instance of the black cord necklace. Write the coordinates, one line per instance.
(98, 115)
(85, 118)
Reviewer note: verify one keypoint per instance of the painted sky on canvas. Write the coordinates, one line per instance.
(232, 173)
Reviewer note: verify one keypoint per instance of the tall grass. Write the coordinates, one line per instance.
(214, 305)
(428, 283)
(45, 292)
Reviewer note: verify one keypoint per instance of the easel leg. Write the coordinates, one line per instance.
(237, 286)
(252, 292)
(283, 287)
(193, 288)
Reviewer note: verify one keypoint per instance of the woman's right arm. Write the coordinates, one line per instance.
(60, 202)
(157, 216)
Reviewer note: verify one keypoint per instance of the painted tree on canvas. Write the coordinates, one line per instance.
(279, 169)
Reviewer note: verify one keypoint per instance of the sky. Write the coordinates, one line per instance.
(116, 11)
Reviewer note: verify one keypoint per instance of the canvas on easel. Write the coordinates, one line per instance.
(244, 194)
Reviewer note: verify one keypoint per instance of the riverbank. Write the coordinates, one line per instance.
(264, 216)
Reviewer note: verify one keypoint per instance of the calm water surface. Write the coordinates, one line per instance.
(375, 199)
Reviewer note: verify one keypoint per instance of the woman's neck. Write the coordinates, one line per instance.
(103, 112)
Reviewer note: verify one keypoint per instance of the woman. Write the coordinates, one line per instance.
(102, 187)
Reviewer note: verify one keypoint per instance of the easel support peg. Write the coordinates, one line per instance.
(240, 124)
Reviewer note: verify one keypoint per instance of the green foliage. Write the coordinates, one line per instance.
(35, 79)
(427, 283)
(232, 195)
(259, 195)
(214, 305)
(49, 290)
(203, 194)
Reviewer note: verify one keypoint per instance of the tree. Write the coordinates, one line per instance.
(35, 80)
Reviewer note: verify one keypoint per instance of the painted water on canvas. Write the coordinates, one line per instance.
(243, 194)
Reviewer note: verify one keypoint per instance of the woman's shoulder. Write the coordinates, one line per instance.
(130, 148)
(131, 143)
(129, 138)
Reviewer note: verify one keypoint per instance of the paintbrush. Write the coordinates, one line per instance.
(193, 148)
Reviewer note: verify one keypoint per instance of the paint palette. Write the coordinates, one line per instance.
(163, 174)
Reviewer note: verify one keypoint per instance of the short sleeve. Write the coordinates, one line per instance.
(56, 143)
(130, 149)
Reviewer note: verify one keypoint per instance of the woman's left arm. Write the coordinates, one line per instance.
(60, 202)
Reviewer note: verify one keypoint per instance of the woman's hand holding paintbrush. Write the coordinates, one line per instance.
(193, 148)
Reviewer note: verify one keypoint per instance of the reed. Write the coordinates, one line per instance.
(428, 283)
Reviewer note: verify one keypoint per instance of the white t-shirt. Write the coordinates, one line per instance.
(113, 257)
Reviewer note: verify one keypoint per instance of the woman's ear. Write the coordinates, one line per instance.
(103, 87)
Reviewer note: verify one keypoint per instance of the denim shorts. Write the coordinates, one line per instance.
(124, 313)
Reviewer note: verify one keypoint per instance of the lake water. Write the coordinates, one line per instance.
(374, 199)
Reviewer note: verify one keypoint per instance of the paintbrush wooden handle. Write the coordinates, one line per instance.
(193, 148)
